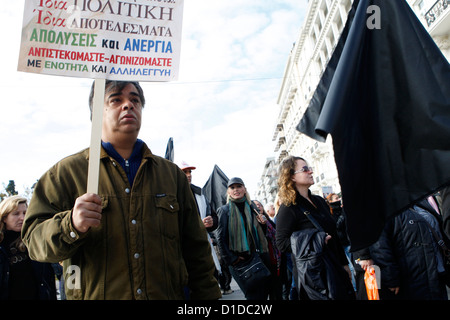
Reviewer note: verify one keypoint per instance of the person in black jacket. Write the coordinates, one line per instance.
(207, 214)
(277, 267)
(411, 263)
(20, 277)
(240, 235)
(445, 195)
(295, 197)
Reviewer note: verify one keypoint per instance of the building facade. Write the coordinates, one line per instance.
(435, 16)
(308, 58)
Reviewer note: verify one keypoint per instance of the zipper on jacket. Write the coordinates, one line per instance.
(127, 167)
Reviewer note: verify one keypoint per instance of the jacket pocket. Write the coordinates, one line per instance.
(167, 208)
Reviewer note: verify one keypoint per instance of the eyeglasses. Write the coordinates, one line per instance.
(304, 169)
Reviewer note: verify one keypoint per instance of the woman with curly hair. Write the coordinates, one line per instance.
(20, 277)
(296, 200)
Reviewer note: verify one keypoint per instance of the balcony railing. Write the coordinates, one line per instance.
(436, 10)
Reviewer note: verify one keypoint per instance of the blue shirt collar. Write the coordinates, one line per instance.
(136, 154)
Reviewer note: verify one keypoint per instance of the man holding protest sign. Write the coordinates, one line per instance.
(140, 236)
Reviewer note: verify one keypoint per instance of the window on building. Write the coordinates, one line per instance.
(325, 9)
(420, 5)
(339, 23)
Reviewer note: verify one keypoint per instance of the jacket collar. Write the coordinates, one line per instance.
(146, 153)
(304, 202)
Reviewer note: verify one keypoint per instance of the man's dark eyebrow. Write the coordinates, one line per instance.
(120, 93)
(114, 94)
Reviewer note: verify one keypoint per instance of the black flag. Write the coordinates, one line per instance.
(385, 99)
(169, 150)
(215, 189)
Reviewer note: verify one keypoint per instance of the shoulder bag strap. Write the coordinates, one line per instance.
(311, 218)
(438, 239)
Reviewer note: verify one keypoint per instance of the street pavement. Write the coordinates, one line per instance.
(236, 295)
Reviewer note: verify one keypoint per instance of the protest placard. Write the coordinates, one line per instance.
(137, 40)
(102, 39)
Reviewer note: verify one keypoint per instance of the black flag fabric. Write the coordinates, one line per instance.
(169, 150)
(385, 100)
(215, 189)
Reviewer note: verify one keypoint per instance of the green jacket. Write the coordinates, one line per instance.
(151, 242)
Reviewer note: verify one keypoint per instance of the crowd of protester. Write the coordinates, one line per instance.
(150, 233)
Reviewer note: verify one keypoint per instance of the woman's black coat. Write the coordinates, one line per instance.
(292, 218)
(318, 271)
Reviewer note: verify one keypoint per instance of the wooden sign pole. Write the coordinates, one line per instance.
(96, 136)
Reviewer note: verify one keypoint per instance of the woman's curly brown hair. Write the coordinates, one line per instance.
(286, 187)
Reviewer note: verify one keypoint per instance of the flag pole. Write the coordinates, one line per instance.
(96, 136)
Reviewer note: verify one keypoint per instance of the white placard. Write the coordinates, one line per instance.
(102, 39)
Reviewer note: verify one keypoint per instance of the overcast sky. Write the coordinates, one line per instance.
(222, 110)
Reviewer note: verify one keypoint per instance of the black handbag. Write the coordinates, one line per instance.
(252, 273)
